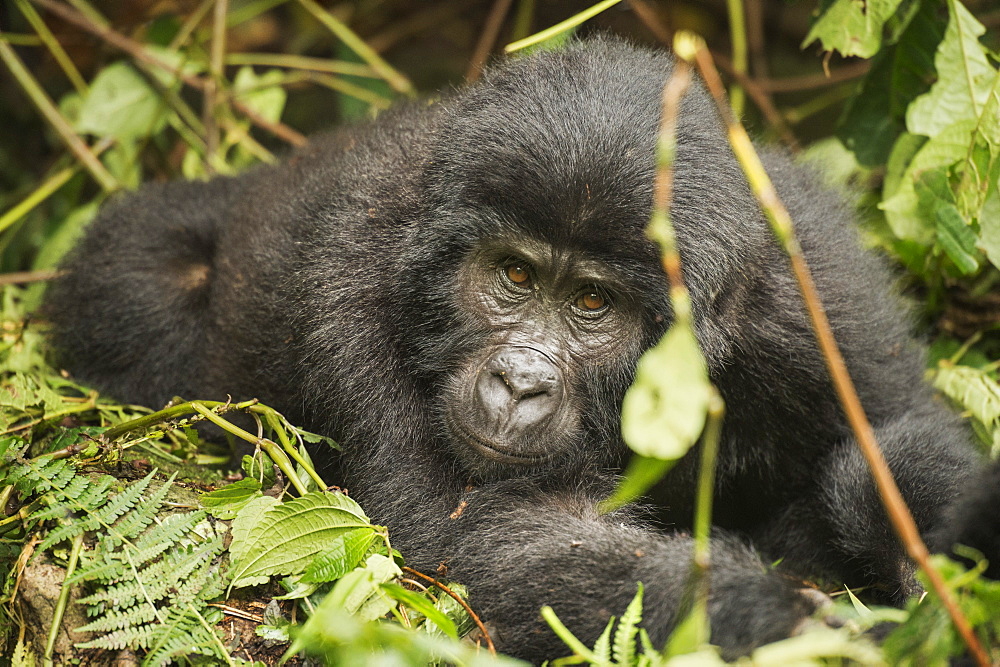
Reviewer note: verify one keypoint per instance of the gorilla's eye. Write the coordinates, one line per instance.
(591, 302)
(518, 274)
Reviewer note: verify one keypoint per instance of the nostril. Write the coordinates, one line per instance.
(524, 385)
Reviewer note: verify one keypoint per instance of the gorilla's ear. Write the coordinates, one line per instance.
(974, 520)
(720, 318)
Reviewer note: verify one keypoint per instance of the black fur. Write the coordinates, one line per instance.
(355, 286)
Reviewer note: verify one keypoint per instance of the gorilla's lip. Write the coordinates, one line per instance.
(490, 449)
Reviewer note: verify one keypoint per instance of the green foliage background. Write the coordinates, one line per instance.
(105, 96)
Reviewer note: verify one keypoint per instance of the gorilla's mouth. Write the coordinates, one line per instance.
(490, 449)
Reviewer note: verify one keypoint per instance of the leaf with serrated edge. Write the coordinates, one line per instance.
(359, 591)
(341, 556)
(965, 77)
(290, 535)
(248, 517)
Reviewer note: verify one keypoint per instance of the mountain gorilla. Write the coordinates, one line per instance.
(459, 292)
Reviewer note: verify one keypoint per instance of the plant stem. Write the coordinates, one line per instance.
(784, 231)
(273, 450)
(396, 80)
(62, 127)
(738, 37)
(60, 608)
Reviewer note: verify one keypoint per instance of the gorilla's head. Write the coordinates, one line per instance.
(530, 267)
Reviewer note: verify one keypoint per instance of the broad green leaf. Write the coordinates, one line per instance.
(261, 92)
(989, 224)
(954, 235)
(290, 535)
(965, 77)
(876, 115)
(971, 388)
(902, 207)
(360, 591)
(664, 410)
(120, 103)
(225, 503)
(239, 491)
(341, 556)
(421, 604)
(956, 238)
(852, 27)
(248, 517)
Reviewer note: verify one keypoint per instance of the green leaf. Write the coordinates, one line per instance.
(902, 207)
(664, 410)
(121, 104)
(852, 27)
(989, 223)
(421, 604)
(957, 239)
(262, 93)
(341, 556)
(900, 73)
(226, 502)
(971, 388)
(965, 77)
(248, 517)
(290, 535)
(692, 633)
(360, 591)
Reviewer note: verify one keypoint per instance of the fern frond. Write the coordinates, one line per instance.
(134, 636)
(624, 644)
(138, 518)
(121, 618)
(184, 633)
(156, 581)
(111, 566)
(120, 503)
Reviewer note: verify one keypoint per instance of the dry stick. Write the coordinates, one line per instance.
(432, 17)
(488, 39)
(62, 127)
(793, 84)
(752, 86)
(459, 600)
(23, 277)
(764, 103)
(55, 48)
(652, 20)
(137, 51)
(395, 79)
(781, 224)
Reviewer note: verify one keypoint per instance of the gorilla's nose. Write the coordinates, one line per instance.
(517, 388)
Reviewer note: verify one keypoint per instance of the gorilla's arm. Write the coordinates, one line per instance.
(518, 546)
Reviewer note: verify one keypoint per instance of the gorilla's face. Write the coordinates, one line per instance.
(551, 321)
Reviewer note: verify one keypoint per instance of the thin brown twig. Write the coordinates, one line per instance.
(755, 37)
(24, 277)
(652, 20)
(465, 605)
(238, 613)
(423, 19)
(488, 39)
(781, 222)
(763, 101)
(48, 109)
(140, 54)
